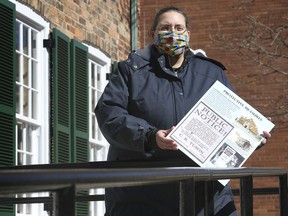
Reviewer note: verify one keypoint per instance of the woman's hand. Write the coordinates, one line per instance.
(165, 143)
(266, 135)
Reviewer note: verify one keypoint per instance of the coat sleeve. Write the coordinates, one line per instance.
(119, 127)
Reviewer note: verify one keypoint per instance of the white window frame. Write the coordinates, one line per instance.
(26, 14)
(41, 135)
(98, 148)
(104, 62)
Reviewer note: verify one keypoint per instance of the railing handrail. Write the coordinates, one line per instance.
(20, 180)
(66, 179)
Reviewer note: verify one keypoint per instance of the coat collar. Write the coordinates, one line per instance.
(142, 57)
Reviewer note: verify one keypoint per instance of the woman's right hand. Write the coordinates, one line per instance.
(165, 143)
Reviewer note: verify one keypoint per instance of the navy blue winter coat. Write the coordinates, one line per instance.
(143, 95)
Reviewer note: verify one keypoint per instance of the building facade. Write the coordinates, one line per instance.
(57, 56)
(56, 60)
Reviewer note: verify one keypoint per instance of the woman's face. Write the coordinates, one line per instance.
(171, 36)
(171, 21)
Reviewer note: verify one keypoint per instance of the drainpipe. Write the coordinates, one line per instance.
(134, 24)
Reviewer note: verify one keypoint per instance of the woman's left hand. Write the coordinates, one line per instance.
(266, 135)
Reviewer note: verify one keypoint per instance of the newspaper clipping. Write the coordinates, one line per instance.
(221, 130)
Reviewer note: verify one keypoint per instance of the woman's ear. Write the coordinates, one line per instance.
(152, 33)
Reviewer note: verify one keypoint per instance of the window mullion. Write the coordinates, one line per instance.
(21, 148)
(34, 148)
(90, 95)
(20, 69)
(29, 75)
(29, 42)
(29, 89)
(21, 90)
(39, 88)
(17, 140)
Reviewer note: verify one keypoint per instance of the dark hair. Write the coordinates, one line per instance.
(164, 10)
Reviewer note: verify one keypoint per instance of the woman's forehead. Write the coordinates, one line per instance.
(172, 17)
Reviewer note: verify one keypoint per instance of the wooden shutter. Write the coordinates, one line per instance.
(7, 83)
(80, 109)
(70, 111)
(80, 112)
(8, 91)
(60, 99)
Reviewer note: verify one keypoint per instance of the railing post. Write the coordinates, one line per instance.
(64, 202)
(246, 196)
(209, 198)
(283, 193)
(187, 197)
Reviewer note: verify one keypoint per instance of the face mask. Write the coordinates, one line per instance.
(172, 43)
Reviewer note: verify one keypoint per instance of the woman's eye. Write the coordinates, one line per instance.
(165, 28)
(179, 28)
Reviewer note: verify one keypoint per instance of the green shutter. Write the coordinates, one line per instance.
(80, 112)
(79, 108)
(8, 92)
(7, 83)
(82, 208)
(70, 111)
(61, 107)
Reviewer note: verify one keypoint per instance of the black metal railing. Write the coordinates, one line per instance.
(64, 180)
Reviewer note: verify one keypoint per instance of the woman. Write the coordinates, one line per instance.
(149, 94)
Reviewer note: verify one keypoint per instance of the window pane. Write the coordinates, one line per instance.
(93, 129)
(93, 101)
(28, 209)
(17, 67)
(25, 40)
(20, 209)
(20, 156)
(28, 159)
(25, 101)
(92, 75)
(28, 142)
(19, 136)
(34, 74)
(25, 71)
(34, 104)
(33, 44)
(17, 36)
(99, 69)
(98, 152)
(18, 96)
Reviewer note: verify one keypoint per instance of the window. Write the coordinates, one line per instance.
(31, 87)
(27, 91)
(31, 95)
(98, 67)
(95, 72)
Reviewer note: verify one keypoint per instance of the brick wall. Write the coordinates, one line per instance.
(100, 23)
(263, 89)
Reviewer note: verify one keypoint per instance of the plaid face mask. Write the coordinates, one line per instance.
(172, 43)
